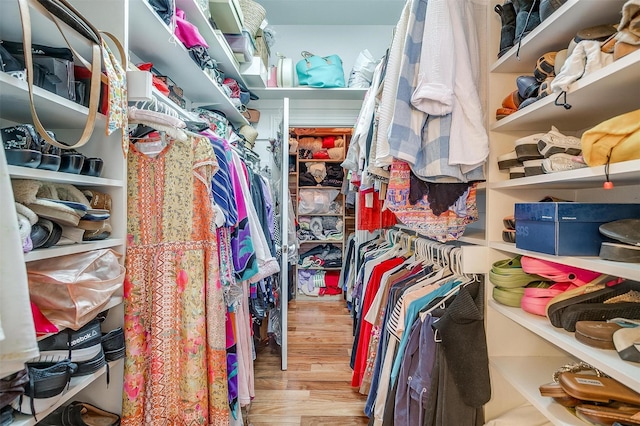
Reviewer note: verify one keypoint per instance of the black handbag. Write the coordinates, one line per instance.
(7, 62)
(17, 50)
(56, 11)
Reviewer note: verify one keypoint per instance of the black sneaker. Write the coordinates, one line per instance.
(78, 346)
(47, 382)
(88, 367)
(113, 344)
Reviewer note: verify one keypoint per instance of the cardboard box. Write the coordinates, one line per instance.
(566, 229)
(227, 15)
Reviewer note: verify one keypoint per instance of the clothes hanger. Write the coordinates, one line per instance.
(161, 122)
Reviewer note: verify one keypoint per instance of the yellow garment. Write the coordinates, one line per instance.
(622, 133)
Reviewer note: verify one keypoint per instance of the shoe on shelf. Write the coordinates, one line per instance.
(627, 343)
(527, 147)
(562, 162)
(508, 160)
(554, 142)
(78, 346)
(547, 7)
(516, 172)
(527, 17)
(624, 230)
(533, 167)
(47, 382)
(91, 366)
(508, 30)
(619, 252)
(80, 414)
(113, 344)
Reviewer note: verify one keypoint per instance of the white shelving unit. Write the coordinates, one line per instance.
(53, 109)
(526, 349)
(607, 361)
(611, 98)
(554, 33)
(151, 40)
(218, 47)
(66, 119)
(527, 374)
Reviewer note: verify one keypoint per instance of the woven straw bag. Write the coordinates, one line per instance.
(254, 14)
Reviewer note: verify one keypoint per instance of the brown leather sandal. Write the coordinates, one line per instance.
(607, 415)
(588, 387)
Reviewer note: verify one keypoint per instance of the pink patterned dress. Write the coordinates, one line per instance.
(175, 367)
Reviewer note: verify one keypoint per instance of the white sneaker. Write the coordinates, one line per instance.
(562, 162)
(516, 172)
(508, 160)
(527, 147)
(533, 167)
(554, 142)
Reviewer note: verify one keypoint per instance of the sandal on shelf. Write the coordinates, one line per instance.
(589, 387)
(508, 273)
(597, 334)
(554, 390)
(617, 413)
(627, 342)
(599, 301)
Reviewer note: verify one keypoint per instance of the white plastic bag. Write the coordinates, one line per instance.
(362, 71)
(316, 201)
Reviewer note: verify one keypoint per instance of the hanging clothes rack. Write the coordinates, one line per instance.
(160, 103)
(469, 258)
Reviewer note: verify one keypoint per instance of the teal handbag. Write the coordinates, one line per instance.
(316, 71)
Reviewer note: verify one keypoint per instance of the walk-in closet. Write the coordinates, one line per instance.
(298, 212)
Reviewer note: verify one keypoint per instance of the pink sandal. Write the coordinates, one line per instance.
(558, 272)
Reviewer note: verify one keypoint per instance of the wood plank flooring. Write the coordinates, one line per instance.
(316, 389)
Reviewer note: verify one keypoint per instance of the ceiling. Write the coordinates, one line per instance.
(332, 12)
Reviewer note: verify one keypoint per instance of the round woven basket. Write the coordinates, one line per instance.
(254, 14)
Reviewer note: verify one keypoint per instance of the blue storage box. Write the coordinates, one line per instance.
(567, 229)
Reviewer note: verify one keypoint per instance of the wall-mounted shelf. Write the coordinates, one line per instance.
(526, 374)
(601, 95)
(624, 173)
(555, 32)
(307, 93)
(54, 111)
(51, 252)
(619, 269)
(60, 177)
(605, 360)
(151, 40)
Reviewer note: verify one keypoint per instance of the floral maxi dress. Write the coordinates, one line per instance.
(175, 365)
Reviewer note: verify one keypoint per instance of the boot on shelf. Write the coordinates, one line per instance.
(527, 17)
(508, 32)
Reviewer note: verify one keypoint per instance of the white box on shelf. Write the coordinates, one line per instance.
(139, 85)
(227, 15)
(255, 73)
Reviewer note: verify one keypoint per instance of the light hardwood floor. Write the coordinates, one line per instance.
(316, 389)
